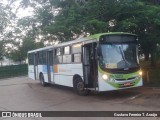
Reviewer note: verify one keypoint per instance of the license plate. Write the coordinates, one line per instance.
(127, 84)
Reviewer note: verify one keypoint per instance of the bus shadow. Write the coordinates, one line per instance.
(116, 95)
(107, 95)
(61, 88)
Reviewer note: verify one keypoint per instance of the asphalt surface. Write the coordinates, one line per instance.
(24, 94)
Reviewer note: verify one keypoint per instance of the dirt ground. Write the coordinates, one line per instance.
(24, 94)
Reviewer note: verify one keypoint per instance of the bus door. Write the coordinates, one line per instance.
(90, 71)
(50, 65)
(36, 66)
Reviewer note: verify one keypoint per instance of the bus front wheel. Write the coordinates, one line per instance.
(41, 78)
(79, 87)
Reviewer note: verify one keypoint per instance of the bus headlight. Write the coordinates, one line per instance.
(104, 76)
(140, 73)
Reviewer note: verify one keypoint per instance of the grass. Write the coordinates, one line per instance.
(13, 71)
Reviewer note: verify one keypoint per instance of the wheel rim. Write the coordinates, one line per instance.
(80, 86)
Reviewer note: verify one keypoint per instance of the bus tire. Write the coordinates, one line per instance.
(79, 88)
(41, 78)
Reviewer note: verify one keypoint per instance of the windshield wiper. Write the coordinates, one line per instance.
(123, 57)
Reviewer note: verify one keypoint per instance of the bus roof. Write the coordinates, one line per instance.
(40, 49)
(109, 33)
(95, 36)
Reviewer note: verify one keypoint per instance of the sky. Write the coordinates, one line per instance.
(25, 12)
(21, 12)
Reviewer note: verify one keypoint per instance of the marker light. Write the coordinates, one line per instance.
(104, 76)
(140, 73)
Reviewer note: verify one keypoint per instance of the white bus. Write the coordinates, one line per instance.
(101, 62)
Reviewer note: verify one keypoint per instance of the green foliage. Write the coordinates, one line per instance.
(3, 18)
(158, 52)
(6, 17)
(1, 50)
(13, 70)
(21, 53)
(63, 20)
(95, 16)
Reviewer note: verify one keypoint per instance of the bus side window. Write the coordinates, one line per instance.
(51, 58)
(76, 53)
(58, 51)
(67, 55)
(40, 58)
(55, 61)
(44, 58)
(59, 59)
(58, 55)
(77, 58)
(67, 50)
(31, 59)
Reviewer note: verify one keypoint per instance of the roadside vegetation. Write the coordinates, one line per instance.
(151, 74)
(13, 71)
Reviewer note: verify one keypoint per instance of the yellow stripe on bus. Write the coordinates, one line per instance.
(55, 68)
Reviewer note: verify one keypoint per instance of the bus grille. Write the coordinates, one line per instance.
(132, 78)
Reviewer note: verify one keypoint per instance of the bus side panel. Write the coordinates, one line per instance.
(73, 70)
(51, 72)
(65, 72)
(31, 72)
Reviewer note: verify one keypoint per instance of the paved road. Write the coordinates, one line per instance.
(22, 93)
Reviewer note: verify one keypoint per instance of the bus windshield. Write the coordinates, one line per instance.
(119, 56)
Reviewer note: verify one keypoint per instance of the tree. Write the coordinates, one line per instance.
(20, 54)
(1, 51)
(6, 16)
(142, 23)
(63, 20)
(94, 16)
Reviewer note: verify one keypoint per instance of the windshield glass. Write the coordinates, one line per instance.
(119, 56)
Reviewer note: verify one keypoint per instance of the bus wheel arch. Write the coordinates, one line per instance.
(78, 85)
(41, 79)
